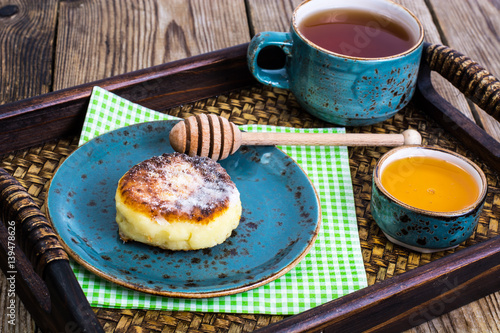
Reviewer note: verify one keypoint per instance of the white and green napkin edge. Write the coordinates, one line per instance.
(334, 266)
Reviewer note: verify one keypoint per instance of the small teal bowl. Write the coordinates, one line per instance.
(418, 229)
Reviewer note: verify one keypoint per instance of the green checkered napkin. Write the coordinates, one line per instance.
(333, 267)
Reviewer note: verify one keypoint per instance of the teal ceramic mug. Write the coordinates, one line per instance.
(343, 89)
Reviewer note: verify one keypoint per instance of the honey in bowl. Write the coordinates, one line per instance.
(427, 198)
(430, 183)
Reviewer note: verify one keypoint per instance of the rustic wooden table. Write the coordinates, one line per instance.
(54, 44)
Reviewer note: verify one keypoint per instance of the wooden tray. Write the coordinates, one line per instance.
(406, 297)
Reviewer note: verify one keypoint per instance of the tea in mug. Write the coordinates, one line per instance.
(356, 33)
(430, 183)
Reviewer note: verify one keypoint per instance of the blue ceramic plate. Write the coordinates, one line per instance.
(279, 224)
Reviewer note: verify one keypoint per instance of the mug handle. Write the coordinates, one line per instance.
(274, 77)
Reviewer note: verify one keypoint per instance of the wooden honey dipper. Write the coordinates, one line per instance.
(215, 137)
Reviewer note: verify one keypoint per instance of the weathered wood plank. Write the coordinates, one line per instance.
(482, 315)
(270, 15)
(17, 319)
(103, 38)
(473, 28)
(27, 31)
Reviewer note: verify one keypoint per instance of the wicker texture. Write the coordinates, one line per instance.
(257, 104)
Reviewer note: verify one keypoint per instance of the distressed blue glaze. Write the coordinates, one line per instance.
(350, 91)
(277, 78)
(343, 90)
(279, 223)
(421, 230)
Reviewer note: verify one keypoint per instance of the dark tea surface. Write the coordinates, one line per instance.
(356, 33)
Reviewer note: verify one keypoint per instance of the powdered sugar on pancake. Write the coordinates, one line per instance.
(175, 184)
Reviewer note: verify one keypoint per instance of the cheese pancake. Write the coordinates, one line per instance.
(177, 202)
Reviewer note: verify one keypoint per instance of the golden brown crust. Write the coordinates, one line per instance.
(177, 187)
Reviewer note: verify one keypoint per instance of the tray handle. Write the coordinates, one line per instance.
(473, 80)
(33, 232)
(33, 255)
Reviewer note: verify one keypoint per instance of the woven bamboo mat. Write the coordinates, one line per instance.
(34, 168)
